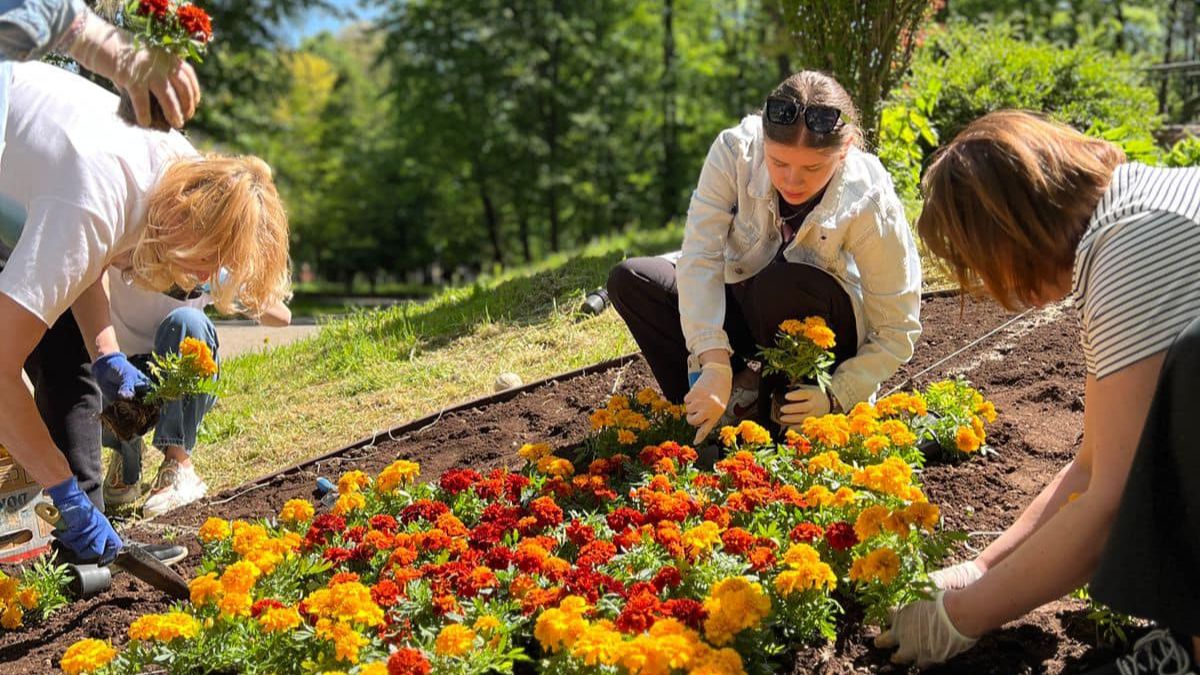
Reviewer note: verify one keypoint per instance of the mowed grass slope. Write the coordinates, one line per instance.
(377, 369)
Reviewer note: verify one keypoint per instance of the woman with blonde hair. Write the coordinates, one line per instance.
(98, 194)
(790, 219)
(1034, 212)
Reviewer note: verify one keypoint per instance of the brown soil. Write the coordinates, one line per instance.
(1032, 367)
(129, 419)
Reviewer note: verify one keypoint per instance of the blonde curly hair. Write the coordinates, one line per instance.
(217, 213)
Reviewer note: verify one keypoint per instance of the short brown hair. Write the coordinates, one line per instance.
(811, 87)
(1007, 201)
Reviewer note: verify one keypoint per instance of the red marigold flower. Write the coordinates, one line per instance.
(639, 613)
(195, 21)
(355, 534)
(761, 558)
(841, 536)
(690, 612)
(385, 593)
(455, 481)
(628, 538)
(362, 553)
(548, 513)
(591, 585)
(384, 522)
(580, 533)
(498, 557)
(337, 555)
(624, 518)
(722, 517)
(737, 540)
(423, 509)
(263, 605)
(156, 8)
(514, 484)
(596, 553)
(540, 598)
(806, 533)
(408, 661)
(446, 604)
(707, 480)
(667, 577)
(327, 522)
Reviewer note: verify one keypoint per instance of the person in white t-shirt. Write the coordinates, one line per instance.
(99, 193)
(147, 323)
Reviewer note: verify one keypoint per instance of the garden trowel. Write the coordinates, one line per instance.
(135, 560)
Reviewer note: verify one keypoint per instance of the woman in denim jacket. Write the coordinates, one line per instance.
(791, 218)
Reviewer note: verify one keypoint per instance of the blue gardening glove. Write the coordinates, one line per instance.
(117, 377)
(83, 529)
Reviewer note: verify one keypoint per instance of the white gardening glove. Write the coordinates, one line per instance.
(923, 632)
(804, 402)
(957, 576)
(708, 398)
(110, 52)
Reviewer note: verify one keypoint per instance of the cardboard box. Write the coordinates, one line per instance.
(22, 534)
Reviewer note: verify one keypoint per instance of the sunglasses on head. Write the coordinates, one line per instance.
(179, 294)
(820, 119)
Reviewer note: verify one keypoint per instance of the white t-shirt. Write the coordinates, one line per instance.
(82, 175)
(136, 312)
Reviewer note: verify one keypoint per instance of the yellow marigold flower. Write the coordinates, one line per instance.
(863, 425)
(626, 437)
(240, 577)
(234, 604)
(844, 496)
(12, 617)
(28, 597)
(880, 565)
(348, 602)
(214, 529)
(8, 587)
(618, 402)
(279, 619)
(399, 472)
(556, 466)
(800, 555)
(870, 522)
(377, 668)
(818, 495)
(454, 640)
(733, 605)
(877, 444)
(728, 436)
(811, 577)
(346, 641)
(821, 336)
(923, 514)
(574, 605)
(792, 327)
(353, 481)
(899, 432)
(718, 662)
(598, 645)
(892, 476)
(632, 420)
(204, 588)
(296, 511)
(164, 627)
(486, 624)
(897, 523)
(648, 396)
(987, 410)
(349, 502)
(602, 419)
(864, 410)
(832, 431)
(201, 355)
(965, 439)
(87, 656)
(752, 433)
(700, 539)
(977, 427)
(532, 452)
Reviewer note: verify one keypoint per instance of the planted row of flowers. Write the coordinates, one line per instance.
(625, 557)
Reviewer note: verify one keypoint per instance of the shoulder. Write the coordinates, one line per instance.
(866, 189)
(745, 137)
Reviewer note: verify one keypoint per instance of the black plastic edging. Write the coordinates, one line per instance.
(498, 397)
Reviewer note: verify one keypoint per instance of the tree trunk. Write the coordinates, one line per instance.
(491, 217)
(1172, 17)
(670, 149)
(1119, 13)
(552, 134)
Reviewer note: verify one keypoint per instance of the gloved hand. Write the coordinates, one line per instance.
(924, 633)
(803, 402)
(83, 528)
(117, 377)
(110, 51)
(957, 576)
(709, 396)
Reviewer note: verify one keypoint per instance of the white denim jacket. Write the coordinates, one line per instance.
(858, 233)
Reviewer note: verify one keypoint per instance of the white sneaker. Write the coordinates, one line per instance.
(116, 492)
(174, 487)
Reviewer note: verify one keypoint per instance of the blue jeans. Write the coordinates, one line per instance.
(30, 28)
(179, 420)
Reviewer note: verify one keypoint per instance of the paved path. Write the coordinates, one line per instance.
(238, 339)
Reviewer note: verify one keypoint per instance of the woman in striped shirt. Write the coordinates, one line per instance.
(1035, 213)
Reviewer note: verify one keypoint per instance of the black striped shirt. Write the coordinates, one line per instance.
(1137, 268)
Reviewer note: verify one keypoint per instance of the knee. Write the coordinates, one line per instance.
(185, 322)
(622, 280)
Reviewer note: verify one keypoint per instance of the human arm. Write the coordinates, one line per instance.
(276, 316)
(889, 265)
(30, 29)
(112, 52)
